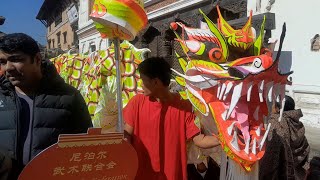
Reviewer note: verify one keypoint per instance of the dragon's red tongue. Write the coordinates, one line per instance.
(241, 116)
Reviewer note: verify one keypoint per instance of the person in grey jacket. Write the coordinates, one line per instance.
(36, 105)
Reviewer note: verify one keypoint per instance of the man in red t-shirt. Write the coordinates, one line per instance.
(158, 124)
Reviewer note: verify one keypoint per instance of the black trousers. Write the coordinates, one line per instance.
(213, 171)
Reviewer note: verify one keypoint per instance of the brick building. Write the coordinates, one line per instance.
(61, 19)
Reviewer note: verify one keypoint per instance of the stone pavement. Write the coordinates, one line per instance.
(313, 136)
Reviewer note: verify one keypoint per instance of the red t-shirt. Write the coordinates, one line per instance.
(159, 137)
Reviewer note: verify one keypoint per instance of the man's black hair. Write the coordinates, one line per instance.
(156, 67)
(289, 104)
(19, 42)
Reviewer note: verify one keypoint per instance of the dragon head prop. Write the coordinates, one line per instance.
(119, 18)
(238, 94)
(201, 43)
(242, 38)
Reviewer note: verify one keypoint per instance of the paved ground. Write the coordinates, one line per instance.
(313, 136)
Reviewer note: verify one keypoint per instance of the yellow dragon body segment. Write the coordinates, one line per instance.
(95, 77)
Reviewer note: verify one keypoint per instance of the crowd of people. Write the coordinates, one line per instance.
(36, 105)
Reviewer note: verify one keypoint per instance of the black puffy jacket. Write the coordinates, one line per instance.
(58, 109)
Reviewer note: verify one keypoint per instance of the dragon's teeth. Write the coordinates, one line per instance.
(264, 136)
(222, 91)
(229, 86)
(234, 141)
(235, 98)
(249, 91)
(219, 88)
(230, 128)
(269, 96)
(261, 84)
(282, 99)
(246, 149)
(258, 131)
(254, 146)
(282, 104)
(224, 115)
(270, 91)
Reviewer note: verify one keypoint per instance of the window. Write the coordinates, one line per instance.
(65, 37)
(50, 28)
(52, 43)
(49, 44)
(83, 46)
(315, 43)
(92, 47)
(58, 37)
(58, 19)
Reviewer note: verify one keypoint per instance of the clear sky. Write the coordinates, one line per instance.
(21, 17)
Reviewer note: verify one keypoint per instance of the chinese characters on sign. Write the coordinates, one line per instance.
(89, 161)
(91, 156)
(119, 177)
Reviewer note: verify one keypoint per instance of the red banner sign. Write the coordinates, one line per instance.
(92, 156)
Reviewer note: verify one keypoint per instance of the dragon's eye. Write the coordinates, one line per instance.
(257, 62)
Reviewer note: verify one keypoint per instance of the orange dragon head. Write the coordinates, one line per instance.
(238, 95)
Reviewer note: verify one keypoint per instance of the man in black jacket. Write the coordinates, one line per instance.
(5, 166)
(36, 105)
